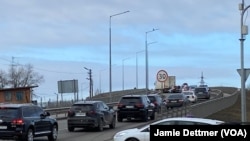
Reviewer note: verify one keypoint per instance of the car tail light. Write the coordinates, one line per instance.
(155, 103)
(17, 122)
(119, 105)
(91, 113)
(70, 113)
(139, 105)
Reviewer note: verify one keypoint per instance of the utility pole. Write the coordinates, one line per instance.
(90, 82)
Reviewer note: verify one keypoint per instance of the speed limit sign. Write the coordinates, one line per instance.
(162, 76)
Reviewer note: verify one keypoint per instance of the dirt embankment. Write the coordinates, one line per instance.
(233, 113)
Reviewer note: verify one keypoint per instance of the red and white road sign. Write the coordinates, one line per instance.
(162, 76)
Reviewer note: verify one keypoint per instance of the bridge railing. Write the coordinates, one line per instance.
(202, 109)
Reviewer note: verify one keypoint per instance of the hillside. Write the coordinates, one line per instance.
(233, 113)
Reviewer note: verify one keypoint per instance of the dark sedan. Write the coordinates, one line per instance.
(176, 100)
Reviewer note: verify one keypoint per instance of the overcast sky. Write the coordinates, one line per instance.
(61, 37)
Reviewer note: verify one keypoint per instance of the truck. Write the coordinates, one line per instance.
(164, 87)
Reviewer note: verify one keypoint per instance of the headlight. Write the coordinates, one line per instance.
(120, 134)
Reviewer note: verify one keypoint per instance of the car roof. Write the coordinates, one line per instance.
(15, 105)
(136, 95)
(87, 102)
(201, 88)
(175, 94)
(188, 91)
(153, 95)
(195, 119)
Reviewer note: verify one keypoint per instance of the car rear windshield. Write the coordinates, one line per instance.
(127, 100)
(8, 112)
(82, 107)
(200, 89)
(188, 93)
(175, 96)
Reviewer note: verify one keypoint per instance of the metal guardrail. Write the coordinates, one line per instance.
(202, 109)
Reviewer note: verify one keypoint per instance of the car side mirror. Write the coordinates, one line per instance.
(47, 113)
(44, 114)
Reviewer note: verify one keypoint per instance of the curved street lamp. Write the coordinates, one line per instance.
(110, 71)
(146, 56)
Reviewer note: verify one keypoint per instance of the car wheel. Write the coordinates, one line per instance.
(29, 136)
(70, 128)
(145, 117)
(100, 125)
(132, 139)
(152, 117)
(54, 134)
(112, 125)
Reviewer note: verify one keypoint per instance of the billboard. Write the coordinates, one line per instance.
(67, 86)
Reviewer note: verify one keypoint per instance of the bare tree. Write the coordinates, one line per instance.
(23, 76)
(3, 79)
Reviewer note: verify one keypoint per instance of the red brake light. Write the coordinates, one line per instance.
(119, 105)
(17, 122)
(139, 105)
(70, 113)
(92, 112)
(155, 103)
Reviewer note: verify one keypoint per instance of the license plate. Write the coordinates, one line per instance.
(129, 106)
(174, 101)
(80, 114)
(3, 127)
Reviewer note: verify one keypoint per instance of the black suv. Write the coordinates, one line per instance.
(157, 100)
(202, 92)
(91, 114)
(25, 122)
(135, 106)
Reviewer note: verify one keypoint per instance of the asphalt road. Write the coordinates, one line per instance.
(91, 135)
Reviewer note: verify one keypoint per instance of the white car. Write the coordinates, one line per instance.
(143, 134)
(190, 96)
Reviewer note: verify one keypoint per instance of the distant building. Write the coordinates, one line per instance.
(16, 95)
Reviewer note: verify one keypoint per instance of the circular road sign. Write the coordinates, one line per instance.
(162, 76)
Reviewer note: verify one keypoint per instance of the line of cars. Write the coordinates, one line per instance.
(27, 121)
(186, 97)
(96, 114)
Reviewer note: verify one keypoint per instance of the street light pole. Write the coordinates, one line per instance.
(110, 71)
(123, 72)
(146, 56)
(137, 68)
(242, 71)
